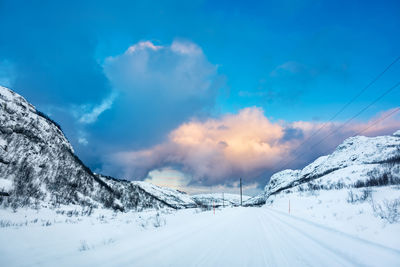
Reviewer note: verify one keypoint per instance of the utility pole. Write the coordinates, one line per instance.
(241, 192)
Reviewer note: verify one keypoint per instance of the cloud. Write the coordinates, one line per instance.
(140, 46)
(92, 115)
(246, 144)
(83, 141)
(168, 177)
(292, 133)
(186, 48)
(159, 87)
(176, 72)
(385, 122)
(82, 138)
(214, 149)
(172, 178)
(292, 67)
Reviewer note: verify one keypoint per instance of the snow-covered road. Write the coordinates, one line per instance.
(231, 237)
(255, 237)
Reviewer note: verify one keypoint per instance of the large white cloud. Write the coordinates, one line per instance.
(157, 87)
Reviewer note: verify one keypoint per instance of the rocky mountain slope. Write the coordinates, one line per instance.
(38, 167)
(358, 162)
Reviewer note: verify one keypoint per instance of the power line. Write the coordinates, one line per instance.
(369, 126)
(343, 108)
(348, 103)
(366, 87)
(358, 113)
(349, 120)
(379, 120)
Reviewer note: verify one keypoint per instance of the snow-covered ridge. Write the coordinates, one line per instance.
(38, 163)
(38, 167)
(352, 161)
(254, 201)
(18, 111)
(139, 195)
(173, 197)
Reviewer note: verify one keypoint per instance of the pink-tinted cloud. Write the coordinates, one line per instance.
(246, 144)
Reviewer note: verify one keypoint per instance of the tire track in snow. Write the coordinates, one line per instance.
(357, 251)
(237, 237)
(290, 247)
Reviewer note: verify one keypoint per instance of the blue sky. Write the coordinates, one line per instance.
(194, 62)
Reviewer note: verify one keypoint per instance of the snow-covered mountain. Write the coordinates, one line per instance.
(38, 167)
(358, 162)
(218, 199)
(257, 200)
(38, 164)
(172, 197)
(150, 195)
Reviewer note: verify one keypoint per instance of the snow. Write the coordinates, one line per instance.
(20, 112)
(281, 179)
(219, 199)
(332, 208)
(266, 236)
(346, 176)
(3, 143)
(361, 150)
(257, 200)
(350, 162)
(397, 133)
(169, 195)
(5, 185)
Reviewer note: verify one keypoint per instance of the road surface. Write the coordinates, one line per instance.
(231, 237)
(246, 237)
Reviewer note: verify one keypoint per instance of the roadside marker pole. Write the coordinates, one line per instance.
(241, 203)
(213, 207)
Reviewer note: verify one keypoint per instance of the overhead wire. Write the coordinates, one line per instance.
(343, 108)
(350, 102)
